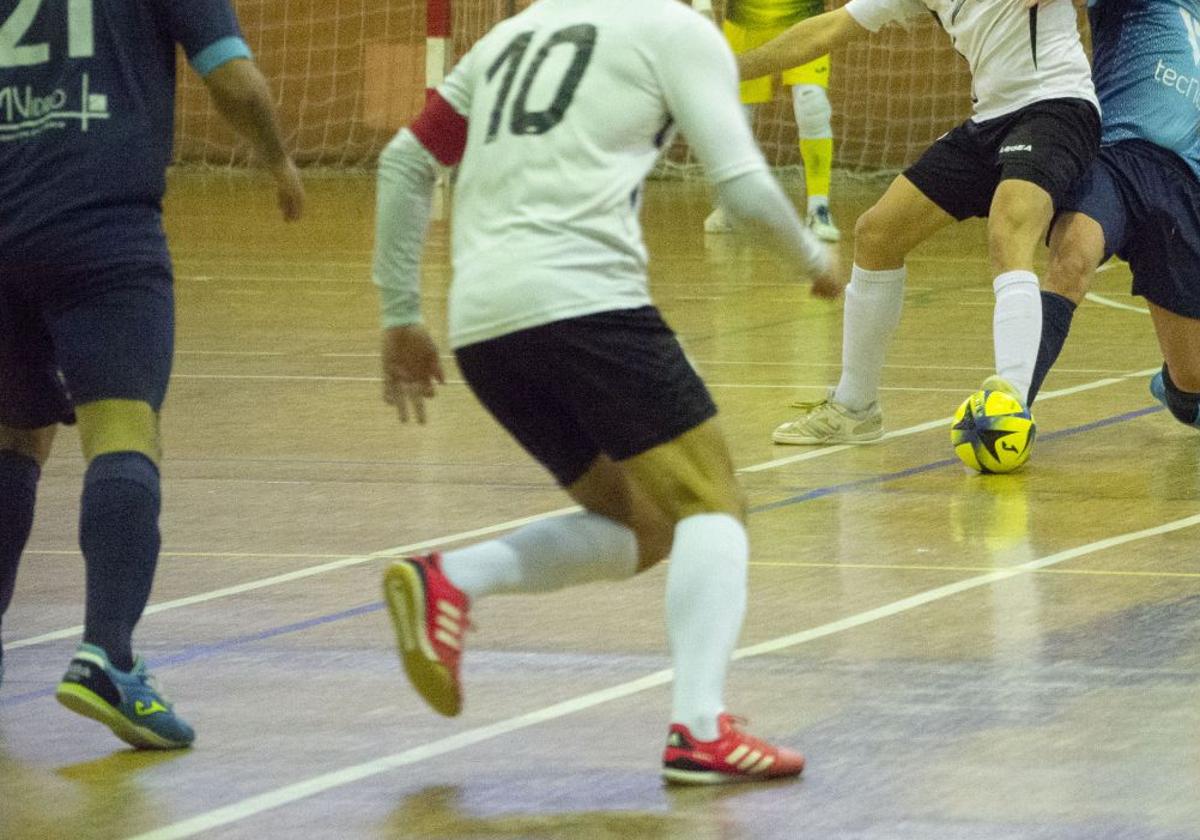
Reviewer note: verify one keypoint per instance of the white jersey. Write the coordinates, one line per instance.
(1017, 56)
(568, 106)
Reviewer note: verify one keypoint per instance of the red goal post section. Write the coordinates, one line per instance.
(348, 73)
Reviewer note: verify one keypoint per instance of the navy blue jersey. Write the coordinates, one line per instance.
(87, 100)
(1147, 72)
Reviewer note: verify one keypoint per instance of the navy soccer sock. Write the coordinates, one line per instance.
(1057, 312)
(118, 532)
(1183, 404)
(18, 491)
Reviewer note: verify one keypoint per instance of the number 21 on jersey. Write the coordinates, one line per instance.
(80, 33)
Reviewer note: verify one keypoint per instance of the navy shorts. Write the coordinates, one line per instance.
(70, 336)
(614, 383)
(1050, 143)
(1147, 200)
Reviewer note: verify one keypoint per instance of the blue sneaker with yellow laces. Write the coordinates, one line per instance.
(130, 704)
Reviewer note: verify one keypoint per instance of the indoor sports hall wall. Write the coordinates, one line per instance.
(349, 72)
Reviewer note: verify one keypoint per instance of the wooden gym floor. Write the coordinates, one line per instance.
(960, 657)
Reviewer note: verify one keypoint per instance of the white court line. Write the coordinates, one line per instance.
(437, 542)
(1103, 301)
(254, 805)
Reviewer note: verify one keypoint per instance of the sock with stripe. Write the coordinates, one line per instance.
(874, 300)
(1057, 312)
(118, 533)
(545, 556)
(18, 492)
(1017, 327)
(706, 602)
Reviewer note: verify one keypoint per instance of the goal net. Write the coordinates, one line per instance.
(348, 73)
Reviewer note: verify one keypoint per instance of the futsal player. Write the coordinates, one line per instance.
(1141, 198)
(749, 23)
(1034, 132)
(557, 115)
(86, 306)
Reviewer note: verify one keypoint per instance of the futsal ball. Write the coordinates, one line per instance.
(992, 432)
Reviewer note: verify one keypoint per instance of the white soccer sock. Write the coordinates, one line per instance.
(706, 601)
(1017, 327)
(545, 556)
(874, 300)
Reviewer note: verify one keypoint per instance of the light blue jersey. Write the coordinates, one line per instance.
(1146, 57)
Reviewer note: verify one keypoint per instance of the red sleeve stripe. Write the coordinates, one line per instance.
(441, 130)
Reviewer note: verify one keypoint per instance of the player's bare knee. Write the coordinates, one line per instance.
(31, 443)
(875, 247)
(1069, 273)
(109, 426)
(654, 538)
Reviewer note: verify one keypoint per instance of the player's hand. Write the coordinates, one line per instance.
(827, 281)
(290, 190)
(410, 368)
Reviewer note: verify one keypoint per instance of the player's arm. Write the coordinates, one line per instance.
(242, 97)
(407, 176)
(209, 33)
(699, 81)
(804, 42)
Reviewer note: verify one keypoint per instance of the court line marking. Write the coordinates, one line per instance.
(288, 794)
(909, 567)
(1103, 301)
(438, 542)
(211, 649)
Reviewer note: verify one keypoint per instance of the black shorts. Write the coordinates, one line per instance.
(71, 336)
(1050, 143)
(615, 383)
(1147, 201)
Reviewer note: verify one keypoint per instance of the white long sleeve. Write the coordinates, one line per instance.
(405, 183)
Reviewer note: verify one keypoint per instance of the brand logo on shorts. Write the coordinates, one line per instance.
(1193, 30)
(1016, 147)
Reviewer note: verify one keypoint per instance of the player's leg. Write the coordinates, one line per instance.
(32, 402)
(1076, 249)
(753, 92)
(884, 235)
(1045, 150)
(113, 334)
(1163, 250)
(813, 113)
(1177, 385)
(527, 381)
(691, 478)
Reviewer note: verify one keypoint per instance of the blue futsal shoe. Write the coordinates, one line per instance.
(1158, 388)
(129, 704)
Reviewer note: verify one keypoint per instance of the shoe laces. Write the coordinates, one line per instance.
(810, 405)
(152, 683)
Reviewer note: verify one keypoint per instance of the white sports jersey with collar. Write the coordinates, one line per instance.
(568, 105)
(1017, 56)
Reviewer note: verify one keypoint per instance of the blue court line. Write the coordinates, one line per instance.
(821, 492)
(204, 651)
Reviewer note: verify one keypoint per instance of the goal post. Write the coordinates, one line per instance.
(347, 74)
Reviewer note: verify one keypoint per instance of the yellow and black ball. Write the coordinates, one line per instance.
(992, 432)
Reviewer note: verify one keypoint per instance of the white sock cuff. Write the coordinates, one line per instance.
(1011, 279)
(720, 533)
(887, 275)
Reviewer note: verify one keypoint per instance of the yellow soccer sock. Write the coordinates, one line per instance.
(818, 165)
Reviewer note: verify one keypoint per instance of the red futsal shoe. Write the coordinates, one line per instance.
(430, 617)
(733, 756)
